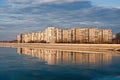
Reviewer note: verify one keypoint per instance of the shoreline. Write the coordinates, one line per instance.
(67, 47)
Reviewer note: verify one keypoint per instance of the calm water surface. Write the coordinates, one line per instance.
(44, 64)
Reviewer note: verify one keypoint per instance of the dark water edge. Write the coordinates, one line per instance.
(14, 66)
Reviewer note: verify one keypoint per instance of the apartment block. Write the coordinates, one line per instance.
(107, 35)
(39, 36)
(78, 35)
(59, 34)
(93, 35)
(100, 36)
(82, 35)
(70, 36)
(74, 35)
(19, 37)
(23, 38)
(65, 36)
(50, 35)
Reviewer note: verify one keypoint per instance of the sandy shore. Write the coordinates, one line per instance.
(67, 47)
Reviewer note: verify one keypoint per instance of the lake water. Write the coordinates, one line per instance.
(45, 64)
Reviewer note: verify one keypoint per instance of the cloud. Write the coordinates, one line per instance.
(19, 1)
(28, 3)
(23, 16)
(118, 7)
(42, 1)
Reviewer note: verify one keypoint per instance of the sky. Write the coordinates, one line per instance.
(24, 16)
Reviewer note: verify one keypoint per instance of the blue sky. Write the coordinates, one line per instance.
(23, 16)
(107, 3)
(2, 1)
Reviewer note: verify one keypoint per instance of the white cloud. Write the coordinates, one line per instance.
(41, 1)
(19, 1)
(30, 16)
(54, 1)
(28, 3)
(118, 7)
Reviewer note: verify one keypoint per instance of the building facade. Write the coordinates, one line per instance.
(74, 35)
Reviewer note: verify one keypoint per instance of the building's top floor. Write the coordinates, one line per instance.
(81, 28)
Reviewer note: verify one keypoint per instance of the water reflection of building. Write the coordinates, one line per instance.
(65, 57)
